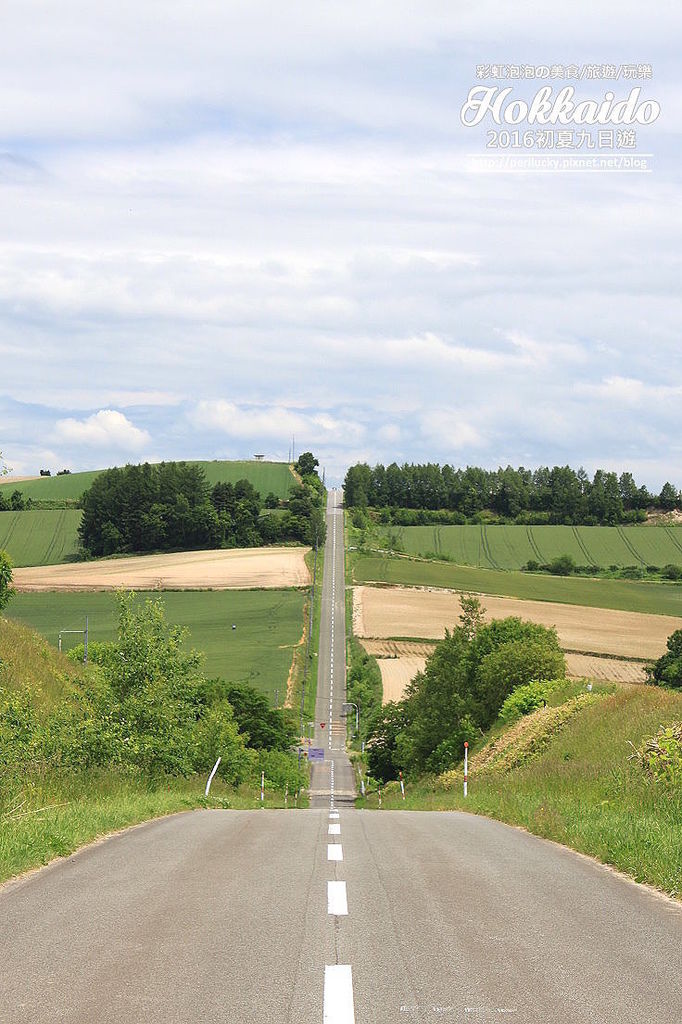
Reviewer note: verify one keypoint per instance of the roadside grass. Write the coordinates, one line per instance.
(510, 547)
(621, 595)
(259, 651)
(266, 477)
(61, 815)
(40, 538)
(581, 790)
(313, 651)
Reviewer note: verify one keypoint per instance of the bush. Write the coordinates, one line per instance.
(527, 698)
(661, 756)
(562, 565)
(667, 671)
(6, 591)
(672, 572)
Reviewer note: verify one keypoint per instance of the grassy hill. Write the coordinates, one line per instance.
(259, 651)
(265, 477)
(566, 774)
(623, 595)
(510, 547)
(40, 538)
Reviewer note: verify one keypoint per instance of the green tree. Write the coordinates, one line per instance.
(306, 464)
(6, 590)
(669, 497)
(514, 664)
(667, 671)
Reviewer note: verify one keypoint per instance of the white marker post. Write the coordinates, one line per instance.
(402, 785)
(286, 796)
(379, 795)
(466, 767)
(210, 778)
(262, 787)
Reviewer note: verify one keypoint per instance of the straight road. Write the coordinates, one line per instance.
(334, 915)
(228, 916)
(336, 774)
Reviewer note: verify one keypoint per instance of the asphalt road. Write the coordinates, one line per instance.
(223, 916)
(336, 773)
(334, 915)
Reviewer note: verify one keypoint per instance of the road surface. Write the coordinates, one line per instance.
(336, 774)
(334, 916)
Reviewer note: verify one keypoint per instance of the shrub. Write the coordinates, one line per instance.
(562, 565)
(667, 671)
(527, 698)
(672, 572)
(661, 756)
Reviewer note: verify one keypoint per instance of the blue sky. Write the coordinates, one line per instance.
(225, 223)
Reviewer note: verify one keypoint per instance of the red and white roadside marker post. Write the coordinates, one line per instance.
(262, 787)
(466, 767)
(402, 785)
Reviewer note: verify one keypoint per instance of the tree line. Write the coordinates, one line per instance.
(420, 494)
(170, 506)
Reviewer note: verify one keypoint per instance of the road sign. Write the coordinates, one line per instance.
(316, 754)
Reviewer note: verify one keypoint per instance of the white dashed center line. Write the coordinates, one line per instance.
(337, 899)
(334, 830)
(334, 851)
(338, 995)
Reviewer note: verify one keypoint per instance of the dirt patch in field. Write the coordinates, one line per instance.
(5, 481)
(607, 670)
(236, 569)
(399, 648)
(420, 612)
(396, 673)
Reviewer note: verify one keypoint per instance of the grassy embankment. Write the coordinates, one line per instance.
(574, 783)
(511, 547)
(622, 595)
(46, 813)
(259, 651)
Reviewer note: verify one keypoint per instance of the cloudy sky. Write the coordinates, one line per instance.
(228, 222)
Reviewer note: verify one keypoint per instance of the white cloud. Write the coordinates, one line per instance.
(107, 428)
(273, 422)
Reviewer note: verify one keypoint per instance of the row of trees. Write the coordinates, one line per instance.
(460, 692)
(170, 506)
(557, 495)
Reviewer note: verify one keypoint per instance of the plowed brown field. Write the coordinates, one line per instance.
(235, 569)
(418, 612)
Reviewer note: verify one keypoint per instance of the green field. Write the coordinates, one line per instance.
(265, 477)
(510, 547)
(623, 595)
(40, 538)
(269, 624)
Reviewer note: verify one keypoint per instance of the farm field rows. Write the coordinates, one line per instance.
(623, 595)
(260, 650)
(40, 538)
(510, 547)
(233, 568)
(265, 477)
(412, 612)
